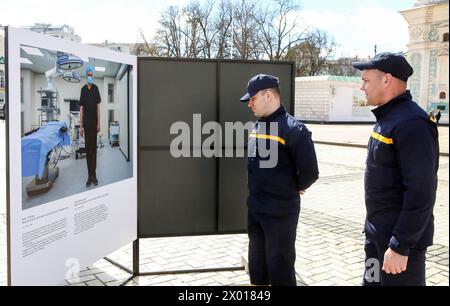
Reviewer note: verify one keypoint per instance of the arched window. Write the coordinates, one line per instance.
(442, 95)
(445, 37)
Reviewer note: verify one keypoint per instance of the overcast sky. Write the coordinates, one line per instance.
(357, 25)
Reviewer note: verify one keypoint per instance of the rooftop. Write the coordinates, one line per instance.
(336, 78)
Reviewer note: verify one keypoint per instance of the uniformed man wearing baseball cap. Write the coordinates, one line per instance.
(274, 192)
(400, 176)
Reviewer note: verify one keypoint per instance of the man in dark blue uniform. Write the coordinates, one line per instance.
(90, 123)
(281, 165)
(400, 178)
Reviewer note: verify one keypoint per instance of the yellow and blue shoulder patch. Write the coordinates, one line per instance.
(382, 138)
(271, 137)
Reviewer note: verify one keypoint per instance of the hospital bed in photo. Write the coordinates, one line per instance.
(37, 147)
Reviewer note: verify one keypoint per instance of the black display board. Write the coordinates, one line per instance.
(194, 195)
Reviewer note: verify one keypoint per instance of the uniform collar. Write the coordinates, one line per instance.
(279, 111)
(380, 111)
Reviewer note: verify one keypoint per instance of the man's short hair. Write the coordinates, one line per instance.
(276, 91)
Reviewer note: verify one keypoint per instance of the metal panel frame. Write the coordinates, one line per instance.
(218, 63)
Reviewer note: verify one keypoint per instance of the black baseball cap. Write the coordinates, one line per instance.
(393, 63)
(260, 82)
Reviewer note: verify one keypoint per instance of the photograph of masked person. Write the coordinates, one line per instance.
(90, 123)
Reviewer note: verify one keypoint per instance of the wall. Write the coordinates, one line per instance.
(312, 100)
(327, 98)
(105, 107)
(344, 107)
(30, 121)
(121, 100)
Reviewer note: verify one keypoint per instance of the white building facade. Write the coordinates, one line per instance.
(329, 98)
(428, 54)
(59, 31)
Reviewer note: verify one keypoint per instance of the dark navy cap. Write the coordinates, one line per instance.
(259, 82)
(393, 63)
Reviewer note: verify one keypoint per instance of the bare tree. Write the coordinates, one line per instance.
(187, 32)
(208, 31)
(245, 29)
(343, 66)
(144, 48)
(223, 20)
(311, 55)
(190, 30)
(241, 29)
(169, 35)
(279, 28)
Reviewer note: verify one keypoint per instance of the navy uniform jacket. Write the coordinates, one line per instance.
(275, 190)
(401, 176)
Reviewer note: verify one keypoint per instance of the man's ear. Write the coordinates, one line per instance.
(387, 79)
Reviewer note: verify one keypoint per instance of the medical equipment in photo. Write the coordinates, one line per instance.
(114, 133)
(64, 66)
(68, 62)
(71, 77)
(49, 110)
(78, 144)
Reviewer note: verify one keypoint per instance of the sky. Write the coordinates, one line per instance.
(356, 25)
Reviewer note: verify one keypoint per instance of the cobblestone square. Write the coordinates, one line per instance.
(329, 238)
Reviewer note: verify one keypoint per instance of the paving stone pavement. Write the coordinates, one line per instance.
(329, 238)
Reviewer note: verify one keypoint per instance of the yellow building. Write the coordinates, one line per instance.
(428, 54)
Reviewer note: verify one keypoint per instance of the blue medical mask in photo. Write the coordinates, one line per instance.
(90, 80)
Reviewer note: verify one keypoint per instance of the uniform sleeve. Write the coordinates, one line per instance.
(416, 146)
(81, 97)
(301, 149)
(99, 99)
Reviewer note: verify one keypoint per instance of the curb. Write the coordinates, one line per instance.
(355, 145)
(341, 144)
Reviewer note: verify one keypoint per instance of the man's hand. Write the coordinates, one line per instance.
(81, 131)
(98, 127)
(394, 263)
(301, 192)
